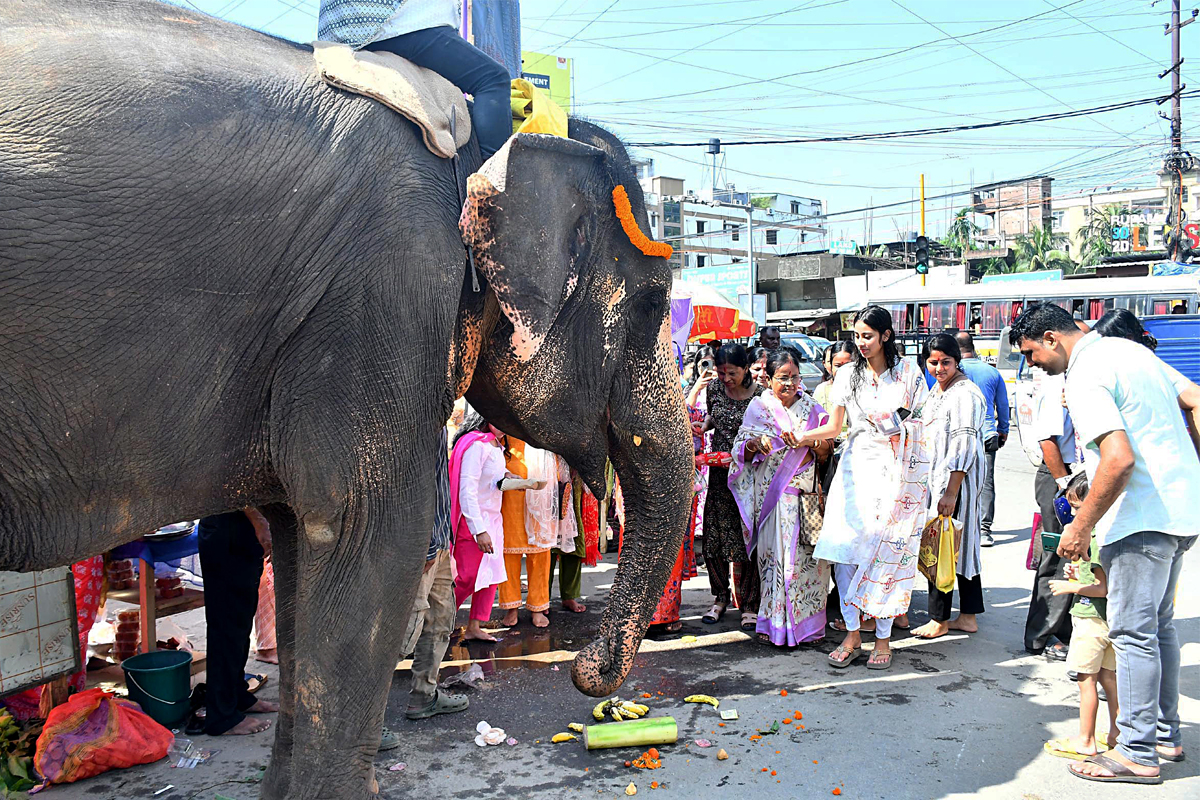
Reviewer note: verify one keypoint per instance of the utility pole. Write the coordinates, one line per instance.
(750, 252)
(1177, 160)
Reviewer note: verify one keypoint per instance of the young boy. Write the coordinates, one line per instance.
(1091, 655)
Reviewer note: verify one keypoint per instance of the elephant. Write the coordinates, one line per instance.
(224, 284)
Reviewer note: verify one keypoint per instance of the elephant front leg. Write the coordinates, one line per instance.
(353, 592)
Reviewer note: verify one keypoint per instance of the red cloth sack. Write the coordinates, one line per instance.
(95, 731)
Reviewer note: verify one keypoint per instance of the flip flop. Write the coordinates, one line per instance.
(853, 654)
(1120, 772)
(1062, 748)
(749, 622)
(1102, 740)
(837, 625)
(255, 682)
(713, 615)
(884, 664)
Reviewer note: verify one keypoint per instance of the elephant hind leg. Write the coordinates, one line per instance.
(353, 587)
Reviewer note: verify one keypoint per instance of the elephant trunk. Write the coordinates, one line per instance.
(656, 473)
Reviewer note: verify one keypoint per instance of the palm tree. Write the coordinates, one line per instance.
(1039, 250)
(961, 233)
(1097, 234)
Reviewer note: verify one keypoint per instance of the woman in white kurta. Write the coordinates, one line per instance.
(877, 500)
(768, 477)
(954, 415)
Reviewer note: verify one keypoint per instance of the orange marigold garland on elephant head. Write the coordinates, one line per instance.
(640, 240)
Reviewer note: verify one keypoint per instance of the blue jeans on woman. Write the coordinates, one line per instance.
(473, 71)
(1143, 569)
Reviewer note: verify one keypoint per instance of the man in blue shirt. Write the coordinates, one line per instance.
(995, 431)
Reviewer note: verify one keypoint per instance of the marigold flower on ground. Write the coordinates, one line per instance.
(837, 790)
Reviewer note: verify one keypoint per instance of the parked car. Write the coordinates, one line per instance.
(807, 347)
(811, 375)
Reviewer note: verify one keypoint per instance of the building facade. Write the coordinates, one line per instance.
(1011, 209)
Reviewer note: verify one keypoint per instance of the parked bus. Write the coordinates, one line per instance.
(985, 309)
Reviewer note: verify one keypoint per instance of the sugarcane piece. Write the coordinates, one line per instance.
(634, 733)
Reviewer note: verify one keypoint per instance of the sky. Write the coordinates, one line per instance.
(680, 71)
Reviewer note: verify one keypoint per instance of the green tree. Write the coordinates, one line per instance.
(1096, 236)
(961, 233)
(1039, 250)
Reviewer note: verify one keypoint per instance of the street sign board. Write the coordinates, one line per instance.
(730, 280)
(845, 247)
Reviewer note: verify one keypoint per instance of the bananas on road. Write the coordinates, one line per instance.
(703, 698)
(619, 710)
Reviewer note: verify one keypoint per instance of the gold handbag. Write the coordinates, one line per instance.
(812, 515)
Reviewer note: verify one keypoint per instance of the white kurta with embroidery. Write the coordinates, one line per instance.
(867, 481)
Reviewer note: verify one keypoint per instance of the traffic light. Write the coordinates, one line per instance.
(922, 255)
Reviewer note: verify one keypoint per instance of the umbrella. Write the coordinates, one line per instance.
(714, 316)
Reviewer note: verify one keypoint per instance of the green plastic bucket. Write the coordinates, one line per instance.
(161, 683)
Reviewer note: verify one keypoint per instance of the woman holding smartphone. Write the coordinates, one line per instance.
(872, 504)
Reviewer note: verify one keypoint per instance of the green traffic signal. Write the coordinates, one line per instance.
(922, 255)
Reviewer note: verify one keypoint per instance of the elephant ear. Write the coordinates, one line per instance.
(522, 219)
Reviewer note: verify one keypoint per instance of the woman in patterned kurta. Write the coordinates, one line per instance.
(768, 480)
(954, 415)
(877, 501)
(724, 545)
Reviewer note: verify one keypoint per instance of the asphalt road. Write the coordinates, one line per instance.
(963, 715)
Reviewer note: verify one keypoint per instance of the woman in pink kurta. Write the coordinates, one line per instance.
(476, 469)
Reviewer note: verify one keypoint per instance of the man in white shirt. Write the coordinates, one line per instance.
(1143, 464)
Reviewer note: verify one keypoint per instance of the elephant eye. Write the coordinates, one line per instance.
(652, 303)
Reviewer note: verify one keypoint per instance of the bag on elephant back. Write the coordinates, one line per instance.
(95, 731)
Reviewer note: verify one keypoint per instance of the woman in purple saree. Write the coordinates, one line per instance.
(768, 477)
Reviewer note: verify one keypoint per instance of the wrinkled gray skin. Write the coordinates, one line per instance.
(223, 284)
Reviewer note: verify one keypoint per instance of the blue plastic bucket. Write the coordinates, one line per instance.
(161, 683)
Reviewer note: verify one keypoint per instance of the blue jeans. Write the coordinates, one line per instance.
(473, 71)
(1142, 571)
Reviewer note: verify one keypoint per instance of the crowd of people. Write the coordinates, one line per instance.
(834, 490)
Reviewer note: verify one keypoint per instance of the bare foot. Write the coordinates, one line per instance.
(540, 620)
(574, 606)
(510, 618)
(931, 630)
(477, 633)
(267, 656)
(867, 625)
(263, 707)
(248, 726)
(901, 622)
(965, 623)
(677, 626)
(1097, 771)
